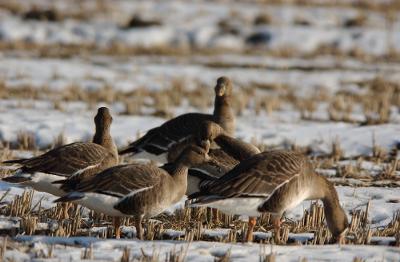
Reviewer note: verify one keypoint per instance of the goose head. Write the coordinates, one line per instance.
(195, 154)
(209, 131)
(103, 118)
(223, 87)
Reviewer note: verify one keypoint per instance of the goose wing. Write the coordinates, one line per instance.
(218, 166)
(223, 159)
(160, 139)
(122, 180)
(257, 176)
(66, 160)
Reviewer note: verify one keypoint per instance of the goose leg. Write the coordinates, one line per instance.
(250, 229)
(139, 228)
(277, 229)
(117, 227)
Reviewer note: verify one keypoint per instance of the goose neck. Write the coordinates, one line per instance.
(102, 137)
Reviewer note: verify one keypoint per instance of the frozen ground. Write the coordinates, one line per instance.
(125, 76)
(384, 202)
(49, 70)
(112, 250)
(203, 25)
(277, 129)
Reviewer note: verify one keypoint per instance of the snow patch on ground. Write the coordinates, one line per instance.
(111, 250)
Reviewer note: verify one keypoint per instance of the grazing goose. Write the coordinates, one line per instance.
(273, 181)
(72, 160)
(137, 190)
(157, 142)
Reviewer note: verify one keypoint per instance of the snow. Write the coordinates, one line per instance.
(111, 250)
(130, 74)
(272, 130)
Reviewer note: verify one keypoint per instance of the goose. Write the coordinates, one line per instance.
(228, 153)
(157, 142)
(137, 190)
(231, 152)
(75, 160)
(273, 181)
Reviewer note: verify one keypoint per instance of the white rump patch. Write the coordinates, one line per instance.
(43, 182)
(101, 203)
(237, 206)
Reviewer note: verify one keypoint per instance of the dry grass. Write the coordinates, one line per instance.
(158, 103)
(376, 98)
(26, 141)
(337, 152)
(5, 152)
(380, 97)
(3, 248)
(118, 49)
(21, 205)
(192, 222)
(376, 102)
(389, 171)
(340, 108)
(378, 153)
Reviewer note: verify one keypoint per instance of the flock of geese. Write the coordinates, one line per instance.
(201, 159)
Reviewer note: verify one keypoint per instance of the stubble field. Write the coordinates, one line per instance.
(312, 76)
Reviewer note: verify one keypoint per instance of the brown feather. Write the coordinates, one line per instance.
(258, 175)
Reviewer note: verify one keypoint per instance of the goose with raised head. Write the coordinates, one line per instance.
(157, 142)
(273, 182)
(137, 190)
(74, 160)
